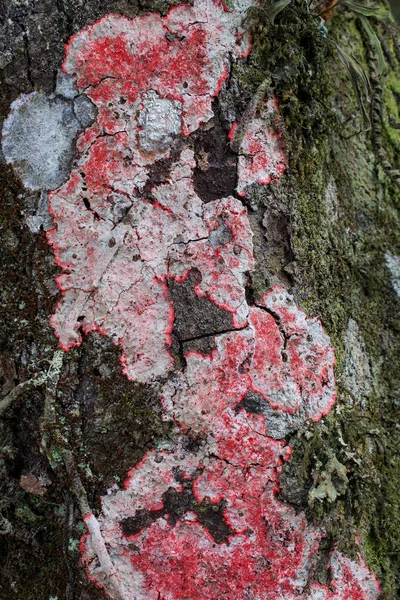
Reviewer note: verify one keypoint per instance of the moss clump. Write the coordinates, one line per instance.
(292, 52)
(339, 273)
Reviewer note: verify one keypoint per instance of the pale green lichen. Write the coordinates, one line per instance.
(331, 482)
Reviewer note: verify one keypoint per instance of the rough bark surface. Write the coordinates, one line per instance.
(327, 231)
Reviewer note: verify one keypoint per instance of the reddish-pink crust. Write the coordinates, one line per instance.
(142, 73)
(185, 562)
(268, 553)
(350, 581)
(114, 273)
(153, 78)
(184, 56)
(293, 358)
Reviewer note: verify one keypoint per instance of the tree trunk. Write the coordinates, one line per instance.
(279, 163)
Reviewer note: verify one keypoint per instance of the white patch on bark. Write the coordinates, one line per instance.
(393, 264)
(331, 200)
(160, 122)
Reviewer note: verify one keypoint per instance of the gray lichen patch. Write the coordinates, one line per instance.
(85, 110)
(120, 206)
(160, 122)
(65, 85)
(37, 139)
(393, 264)
(278, 423)
(196, 319)
(220, 236)
(41, 219)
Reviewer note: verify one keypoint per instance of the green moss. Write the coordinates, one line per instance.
(340, 274)
(292, 52)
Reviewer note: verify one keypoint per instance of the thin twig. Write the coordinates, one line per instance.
(249, 113)
(15, 393)
(53, 444)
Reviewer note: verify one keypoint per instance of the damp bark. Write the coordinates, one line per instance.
(326, 232)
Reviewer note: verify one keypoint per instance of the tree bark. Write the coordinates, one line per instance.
(326, 230)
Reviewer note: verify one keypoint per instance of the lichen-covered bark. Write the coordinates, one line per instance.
(327, 231)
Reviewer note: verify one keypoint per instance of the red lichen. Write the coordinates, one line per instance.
(284, 356)
(114, 271)
(293, 358)
(351, 580)
(185, 562)
(268, 553)
(184, 55)
(152, 78)
(148, 77)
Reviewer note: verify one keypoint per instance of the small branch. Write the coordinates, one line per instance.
(6, 402)
(53, 444)
(69, 519)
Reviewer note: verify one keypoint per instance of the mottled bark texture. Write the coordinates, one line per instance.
(328, 231)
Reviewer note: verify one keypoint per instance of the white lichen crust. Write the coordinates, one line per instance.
(115, 272)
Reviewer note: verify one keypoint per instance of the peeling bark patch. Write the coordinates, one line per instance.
(215, 175)
(196, 318)
(176, 505)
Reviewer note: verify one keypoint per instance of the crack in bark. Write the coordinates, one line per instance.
(212, 334)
